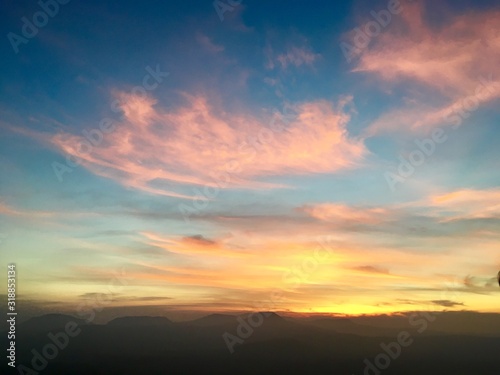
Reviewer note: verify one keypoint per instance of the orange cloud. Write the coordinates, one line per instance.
(160, 152)
(469, 203)
(344, 213)
(11, 211)
(193, 245)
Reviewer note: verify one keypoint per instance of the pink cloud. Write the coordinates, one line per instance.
(207, 44)
(160, 151)
(453, 61)
(344, 213)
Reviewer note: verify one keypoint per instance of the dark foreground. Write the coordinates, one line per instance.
(63, 345)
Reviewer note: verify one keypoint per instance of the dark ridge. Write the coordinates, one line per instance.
(213, 319)
(49, 322)
(140, 321)
(268, 316)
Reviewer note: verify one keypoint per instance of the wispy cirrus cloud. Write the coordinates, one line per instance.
(371, 269)
(345, 213)
(160, 151)
(8, 210)
(297, 54)
(446, 64)
(447, 58)
(42, 215)
(196, 245)
(469, 203)
(207, 43)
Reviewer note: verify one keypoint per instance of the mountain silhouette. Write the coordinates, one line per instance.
(289, 345)
(49, 322)
(213, 320)
(140, 321)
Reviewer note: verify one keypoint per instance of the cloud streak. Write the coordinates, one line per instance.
(448, 64)
(162, 152)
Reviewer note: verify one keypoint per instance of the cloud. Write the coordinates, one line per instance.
(207, 43)
(296, 56)
(343, 213)
(287, 51)
(448, 58)
(163, 152)
(42, 216)
(199, 240)
(371, 269)
(480, 285)
(117, 298)
(197, 245)
(469, 282)
(447, 303)
(449, 65)
(469, 203)
(90, 295)
(8, 210)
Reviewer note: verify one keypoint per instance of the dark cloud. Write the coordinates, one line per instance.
(479, 285)
(145, 298)
(200, 240)
(371, 269)
(469, 281)
(90, 295)
(447, 303)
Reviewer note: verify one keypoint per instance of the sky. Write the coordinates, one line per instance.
(326, 157)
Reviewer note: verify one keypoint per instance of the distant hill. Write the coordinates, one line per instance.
(140, 321)
(213, 320)
(345, 325)
(449, 322)
(49, 322)
(292, 346)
